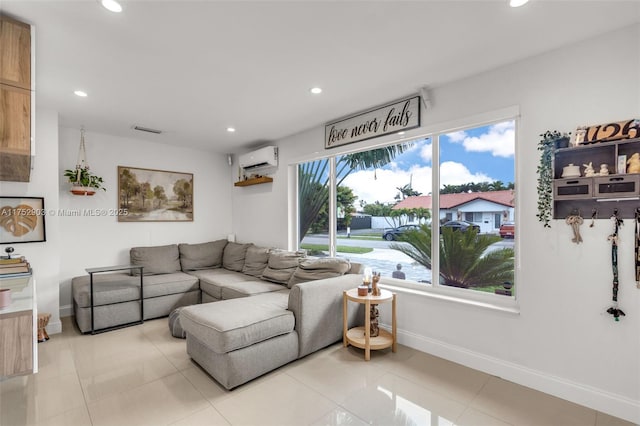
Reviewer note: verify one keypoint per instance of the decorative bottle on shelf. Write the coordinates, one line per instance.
(375, 290)
(366, 279)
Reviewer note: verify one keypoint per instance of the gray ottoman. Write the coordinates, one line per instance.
(238, 340)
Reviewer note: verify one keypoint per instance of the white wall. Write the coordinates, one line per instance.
(44, 257)
(562, 342)
(91, 241)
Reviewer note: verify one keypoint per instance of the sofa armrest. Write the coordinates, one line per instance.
(317, 307)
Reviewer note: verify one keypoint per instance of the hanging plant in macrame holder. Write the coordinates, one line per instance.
(82, 180)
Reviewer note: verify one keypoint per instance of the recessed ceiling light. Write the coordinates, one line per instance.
(111, 5)
(80, 93)
(315, 90)
(517, 3)
(231, 129)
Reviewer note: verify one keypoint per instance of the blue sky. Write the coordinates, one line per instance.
(475, 155)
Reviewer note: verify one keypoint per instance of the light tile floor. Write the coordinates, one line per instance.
(142, 376)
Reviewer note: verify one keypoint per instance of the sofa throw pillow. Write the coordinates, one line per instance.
(282, 264)
(233, 256)
(318, 269)
(156, 259)
(255, 261)
(201, 256)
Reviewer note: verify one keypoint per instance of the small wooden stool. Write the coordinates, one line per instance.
(43, 320)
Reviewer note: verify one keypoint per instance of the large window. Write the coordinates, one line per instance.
(383, 209)
(476, 175)
(314, 183)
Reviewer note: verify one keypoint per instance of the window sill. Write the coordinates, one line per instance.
(506, 305)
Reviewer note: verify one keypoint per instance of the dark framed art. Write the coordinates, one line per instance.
(150, 195)
(22, 220)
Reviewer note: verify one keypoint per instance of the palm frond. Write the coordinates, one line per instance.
(313, 179)
(419, 248)
(374, 158)
(463, 262)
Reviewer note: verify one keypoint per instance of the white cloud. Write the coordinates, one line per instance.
(499, 140)
(384, 188)
(426, 153)
(458, 136)
(412, 148)
(452, 173)
(504, 126)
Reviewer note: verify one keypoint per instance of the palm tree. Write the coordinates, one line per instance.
(313, 179)
(407, 191)
(463, 262)
(497, 185)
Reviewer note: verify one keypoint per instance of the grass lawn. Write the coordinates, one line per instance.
(341, 249)
(375, 237)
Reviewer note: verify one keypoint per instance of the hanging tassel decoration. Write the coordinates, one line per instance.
(614, 310)
(637, 248)
(575, 220)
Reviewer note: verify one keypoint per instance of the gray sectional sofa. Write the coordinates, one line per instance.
(116, 296)
(246, 309)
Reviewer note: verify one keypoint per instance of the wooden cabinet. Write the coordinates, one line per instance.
(18, 328)
(16, 334)
(603, 193)
(15, 133)
(15, 100)
(15, 53)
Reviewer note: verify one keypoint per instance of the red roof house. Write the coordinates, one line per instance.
(487, 209)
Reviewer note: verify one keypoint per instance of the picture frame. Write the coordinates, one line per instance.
(621, 167)
(152, 195)
(22, 220)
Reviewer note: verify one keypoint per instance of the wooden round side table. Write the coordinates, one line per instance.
(360, 337)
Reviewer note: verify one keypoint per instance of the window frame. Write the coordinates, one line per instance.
(508, 304)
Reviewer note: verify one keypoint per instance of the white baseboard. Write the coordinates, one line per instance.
(66, 311)
(597, 399)
(54, 327)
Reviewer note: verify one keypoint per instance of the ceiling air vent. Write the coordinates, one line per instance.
(146, 129)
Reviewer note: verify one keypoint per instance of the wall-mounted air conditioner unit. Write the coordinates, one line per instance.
(262, 161)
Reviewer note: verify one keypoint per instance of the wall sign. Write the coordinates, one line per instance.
(608, 132)
(395, 117)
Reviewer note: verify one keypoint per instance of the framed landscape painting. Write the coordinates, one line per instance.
(22, 220)
(149, 195)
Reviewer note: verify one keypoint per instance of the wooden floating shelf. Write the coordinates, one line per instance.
(254, 181)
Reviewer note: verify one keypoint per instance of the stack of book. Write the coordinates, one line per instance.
(14, 273)
(14, 267)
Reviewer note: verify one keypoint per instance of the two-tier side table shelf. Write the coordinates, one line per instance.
(360, 337)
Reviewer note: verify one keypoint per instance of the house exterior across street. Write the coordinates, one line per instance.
(487, 209)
